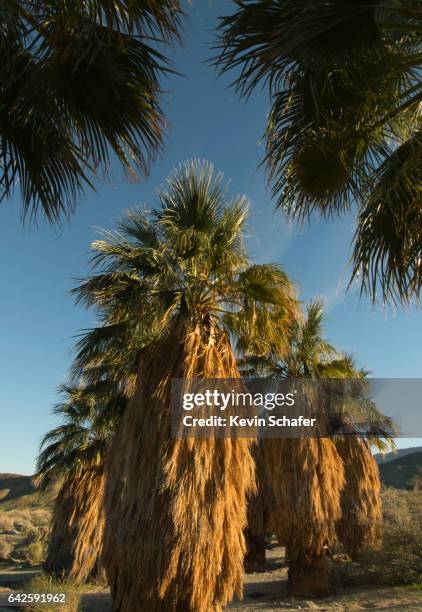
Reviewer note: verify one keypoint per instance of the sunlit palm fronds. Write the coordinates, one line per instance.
(186, 259)
(346, 390)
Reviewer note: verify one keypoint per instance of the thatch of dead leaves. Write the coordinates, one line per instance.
(77, 533)
(176, 508)
(307, 477)
(360, 522)
(261, 503)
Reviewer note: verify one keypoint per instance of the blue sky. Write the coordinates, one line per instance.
(38, 319)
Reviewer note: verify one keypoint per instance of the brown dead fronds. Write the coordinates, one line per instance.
(176, 508)
(76, 540)
(360, 522)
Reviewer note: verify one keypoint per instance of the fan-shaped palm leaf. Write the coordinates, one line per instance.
(80, 82)
(344, 81)
(187, 258)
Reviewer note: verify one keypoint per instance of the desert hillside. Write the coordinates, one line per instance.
(402, 472)
(382, 458)
(25, 516)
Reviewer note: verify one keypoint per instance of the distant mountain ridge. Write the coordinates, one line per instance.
(13, 486)
(400, 472)
(19, 492)
(397, 454)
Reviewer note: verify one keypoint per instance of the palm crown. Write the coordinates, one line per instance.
(344, 127)
(186, 260)
(310, 356)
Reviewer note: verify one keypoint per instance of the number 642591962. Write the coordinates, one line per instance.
(42, 598)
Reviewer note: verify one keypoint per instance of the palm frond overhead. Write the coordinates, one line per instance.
(346, 92)
(80, 84)
(388, 243)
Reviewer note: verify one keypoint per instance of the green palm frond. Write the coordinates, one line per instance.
(325, 138)
(345, 89)
(185, 259)
(89, 415)
(266, 306)
(109, 354)
(344, 392)
(80, 83)
(143, 17)
(388, 241)
(263, 40)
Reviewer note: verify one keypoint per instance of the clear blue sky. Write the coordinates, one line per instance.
(38, 319)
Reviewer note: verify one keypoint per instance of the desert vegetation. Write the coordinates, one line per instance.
(170, 522)
(206, 312)
(24, 535)
(397, 561)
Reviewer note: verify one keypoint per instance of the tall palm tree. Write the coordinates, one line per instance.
(80, 86)
(345, 126)
(309, 508)
(73, 454)
(177, 507)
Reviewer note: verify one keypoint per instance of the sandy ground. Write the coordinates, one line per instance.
(264, 591)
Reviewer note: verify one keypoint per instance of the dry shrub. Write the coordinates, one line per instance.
(40, 517)
(75, 546)
(6, 523)
(21, 520)
(360, 523)
(176, 508)
(5, 549)
(307, 477)
(399, 561)
(35, 552)
(42, 583)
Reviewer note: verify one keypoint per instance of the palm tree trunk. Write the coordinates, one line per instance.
(76, 539)
(255, 552)
(260, 506)
(307, 477)
(176, 508)
(309, 577)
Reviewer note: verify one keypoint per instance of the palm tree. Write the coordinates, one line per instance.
(73, 454)
(80, 86)
(309, 354)
(322, 488)
(177, 507)
(344, 80)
